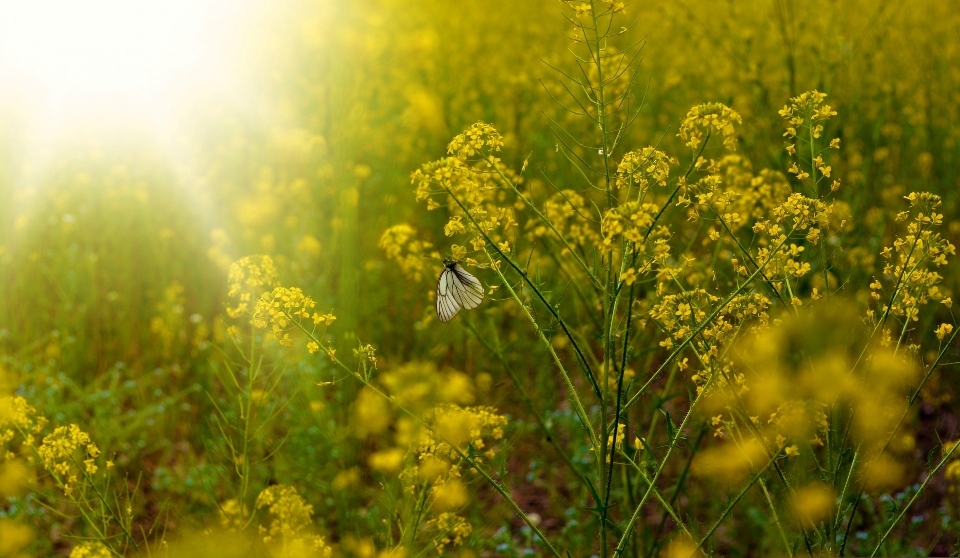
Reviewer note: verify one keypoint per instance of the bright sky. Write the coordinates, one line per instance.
(64, 62)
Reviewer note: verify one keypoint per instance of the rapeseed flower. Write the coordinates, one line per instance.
(67, 453)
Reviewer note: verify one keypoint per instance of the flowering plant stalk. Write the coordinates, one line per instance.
(726, 307)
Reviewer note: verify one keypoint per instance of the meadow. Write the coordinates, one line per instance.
(717, 248)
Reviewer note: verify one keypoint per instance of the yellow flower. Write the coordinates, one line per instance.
(371, 413)
(387, 461)
(248, 277)
(710, 117)
(452, 530)
(347, 478)
(399, 243)
(14, 537)
(454, 226)
(450, 495)
(91, 549)
(59, 454)
(943, 331)
(644, 166)
(478, 138)
(813, 503)
(309, 246)
(291, 522)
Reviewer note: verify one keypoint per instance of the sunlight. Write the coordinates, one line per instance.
(68, 61)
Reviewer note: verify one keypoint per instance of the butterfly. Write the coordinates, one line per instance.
(456, 289)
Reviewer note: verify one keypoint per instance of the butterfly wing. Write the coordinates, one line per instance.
(447, 303)
(466, 288)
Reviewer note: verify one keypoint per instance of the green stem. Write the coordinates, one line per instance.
(776, 519)
(466, 458)
(704, 324)
(528, 402)
(628, 530)
(536, 291)
(916, 495)
(886, 445)
(816, 193)
(732, 504)
(571, 389)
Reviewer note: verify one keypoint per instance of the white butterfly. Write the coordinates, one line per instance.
(456, 289)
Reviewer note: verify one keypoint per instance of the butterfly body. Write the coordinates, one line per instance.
(456, 289)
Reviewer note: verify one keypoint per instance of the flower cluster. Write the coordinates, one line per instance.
(462, 428)
(291, 521)
(479, 138)
(474, 188)
(643, 167)
(912, 259)
(400, 244)
(233, 515)
(91, 549)
(17, 417)
(418, 386)
(283, 306)
(290, 513)
(422, 444)
(707, 118)
(567, 211)
(448, 529)
(768, 401)
(798, 213)
(248, 278)
(680, 313)
(67, 452)
(706, 193)
(786, 398)
(631, 221)
(807, 111)
(758, 194)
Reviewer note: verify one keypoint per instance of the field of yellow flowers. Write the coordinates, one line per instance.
(716, 243)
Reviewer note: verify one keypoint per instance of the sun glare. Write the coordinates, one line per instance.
(64, 61)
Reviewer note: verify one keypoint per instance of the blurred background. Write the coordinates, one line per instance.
(149, 146)
(145, 146)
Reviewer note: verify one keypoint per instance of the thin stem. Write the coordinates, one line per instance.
(705, 323)
(916, 495)
(470, 462)
(571, 389)
(736, 500)
(526, 279)
(886, 445)
(528, 401)
(628, 530)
